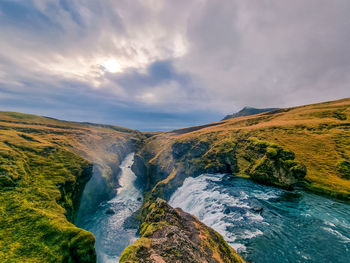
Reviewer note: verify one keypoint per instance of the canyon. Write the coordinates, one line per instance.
(55, 174)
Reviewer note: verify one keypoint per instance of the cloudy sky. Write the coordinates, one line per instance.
(159, 65)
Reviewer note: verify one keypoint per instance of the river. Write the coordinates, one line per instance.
(109, 223)
(265, 224)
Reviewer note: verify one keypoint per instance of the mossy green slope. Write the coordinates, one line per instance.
(44, 165)
(38, 182)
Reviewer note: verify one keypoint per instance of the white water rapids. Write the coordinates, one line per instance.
(265, 224)
(108, 222)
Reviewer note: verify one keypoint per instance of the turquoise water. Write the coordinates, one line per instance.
(266, 224)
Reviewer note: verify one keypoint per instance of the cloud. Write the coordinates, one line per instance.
(270, 53)
(181, 62)
(159, 85)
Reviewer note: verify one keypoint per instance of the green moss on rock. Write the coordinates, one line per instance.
(171, 235)
(275, 166)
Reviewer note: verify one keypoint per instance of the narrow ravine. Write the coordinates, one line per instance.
(109, 223)
(265, 224)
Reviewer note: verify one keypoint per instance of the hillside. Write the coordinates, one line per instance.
(44, 166)
(308, 146)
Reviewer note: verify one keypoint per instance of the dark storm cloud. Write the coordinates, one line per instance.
(156, 64)
(157, 73)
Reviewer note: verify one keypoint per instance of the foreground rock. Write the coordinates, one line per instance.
(172, 235)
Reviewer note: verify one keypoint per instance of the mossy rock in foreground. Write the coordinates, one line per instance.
(171, 235)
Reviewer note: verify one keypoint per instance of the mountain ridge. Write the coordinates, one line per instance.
(247, 111)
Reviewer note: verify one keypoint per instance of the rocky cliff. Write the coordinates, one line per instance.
(246, 156)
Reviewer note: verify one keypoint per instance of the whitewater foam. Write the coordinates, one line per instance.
(254, 218)
(217, 208)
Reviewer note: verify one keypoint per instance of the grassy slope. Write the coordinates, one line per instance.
(318, 134)
(42, 175)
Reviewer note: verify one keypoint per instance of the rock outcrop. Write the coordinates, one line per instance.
(172, 235)
(271, 164)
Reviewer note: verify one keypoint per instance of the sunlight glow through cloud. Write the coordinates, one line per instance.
(112, 66)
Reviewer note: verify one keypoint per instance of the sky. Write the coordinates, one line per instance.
(159, 65)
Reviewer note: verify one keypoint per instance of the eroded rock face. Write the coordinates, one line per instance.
(274, 165)
(172, 235)
(167, 167)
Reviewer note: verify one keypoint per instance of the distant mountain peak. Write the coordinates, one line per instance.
(247, 111)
